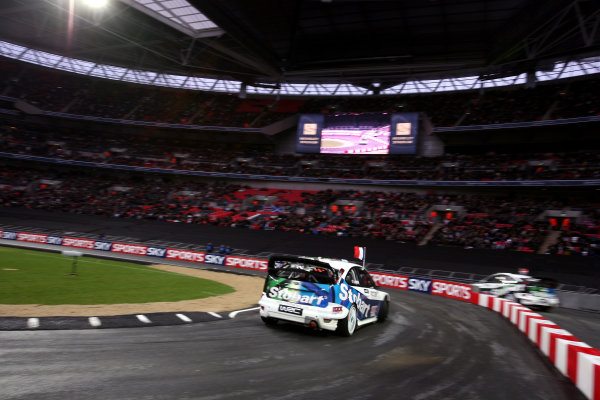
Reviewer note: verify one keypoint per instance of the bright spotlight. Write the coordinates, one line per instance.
(96, 3)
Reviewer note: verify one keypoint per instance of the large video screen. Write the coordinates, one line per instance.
(366, 133)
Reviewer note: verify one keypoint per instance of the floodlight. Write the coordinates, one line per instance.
(96, 3)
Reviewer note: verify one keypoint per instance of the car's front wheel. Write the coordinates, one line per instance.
(385, 310)
(347, 326)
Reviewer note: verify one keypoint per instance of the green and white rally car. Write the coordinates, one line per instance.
(321, 293)
(524, 289)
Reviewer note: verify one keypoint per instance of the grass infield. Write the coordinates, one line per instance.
(36, 277)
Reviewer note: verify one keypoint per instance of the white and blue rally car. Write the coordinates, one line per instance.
(321, 293)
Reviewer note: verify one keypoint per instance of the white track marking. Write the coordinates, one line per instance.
(143, 318)
(94, 321)
(33, 323)
(214, 314)
(183, 317)
(234, 313)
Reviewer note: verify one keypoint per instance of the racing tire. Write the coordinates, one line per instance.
(347, 326)
(511, 297)
(385, 310)
(269, 321)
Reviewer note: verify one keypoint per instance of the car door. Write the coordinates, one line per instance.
(371, 298)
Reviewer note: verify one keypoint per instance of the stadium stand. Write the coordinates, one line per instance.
(133, 150)
(489, 222)
(59, 91)
(495, 221)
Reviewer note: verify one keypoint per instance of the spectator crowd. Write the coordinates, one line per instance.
(488, 222)
(139, 151)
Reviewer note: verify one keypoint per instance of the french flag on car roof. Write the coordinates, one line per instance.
(359, 252)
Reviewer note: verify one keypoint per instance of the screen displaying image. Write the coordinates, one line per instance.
(358, 133)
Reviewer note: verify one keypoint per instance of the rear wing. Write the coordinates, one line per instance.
(323, 272)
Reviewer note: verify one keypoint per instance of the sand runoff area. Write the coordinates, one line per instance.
(247, 293)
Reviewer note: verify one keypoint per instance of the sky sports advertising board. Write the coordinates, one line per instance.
(365, 133)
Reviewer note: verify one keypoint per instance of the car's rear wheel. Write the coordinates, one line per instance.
(347, 326)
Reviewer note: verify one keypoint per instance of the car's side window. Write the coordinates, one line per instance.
(352, 277)
(364, 279)
(359, 277)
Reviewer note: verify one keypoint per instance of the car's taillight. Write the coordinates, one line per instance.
(338, 309)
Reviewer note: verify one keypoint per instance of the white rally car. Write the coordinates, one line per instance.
(322, 293)
(524, 289)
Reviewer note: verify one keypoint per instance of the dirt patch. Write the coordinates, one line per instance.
(247, 293)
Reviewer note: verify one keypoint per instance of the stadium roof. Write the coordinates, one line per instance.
(266, 43)
(180, 14)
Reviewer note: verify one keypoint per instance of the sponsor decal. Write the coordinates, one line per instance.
(129, 249)
(31, 237)
(419, 285)
(451, 289)
(248, 263)
(57, 240)
(156, 252)
(293, 294)
(214, 259)
(104, 246)
(185, 255)
(349, 295)
(392, 281)
(9, 235)
(290, 309)
(79, 243)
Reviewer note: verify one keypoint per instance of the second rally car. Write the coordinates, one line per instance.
(530, 291)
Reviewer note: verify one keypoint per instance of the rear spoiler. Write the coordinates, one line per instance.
(274, 259)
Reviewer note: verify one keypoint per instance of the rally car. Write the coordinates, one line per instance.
(527, 290)
(322, 293)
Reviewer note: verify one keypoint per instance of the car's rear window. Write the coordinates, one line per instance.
(548, 283)
(303, 272)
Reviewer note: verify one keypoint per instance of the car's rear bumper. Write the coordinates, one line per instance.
(323, 317)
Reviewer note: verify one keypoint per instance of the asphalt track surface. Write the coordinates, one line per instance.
(582, 324)
(430, 348)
